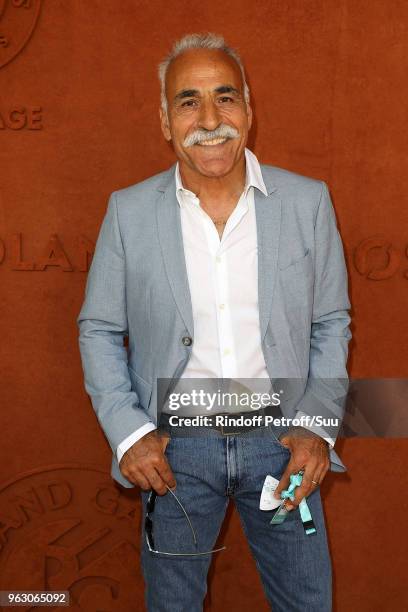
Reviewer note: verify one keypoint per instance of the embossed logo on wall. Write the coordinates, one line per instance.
(53, 254)
(18, 19)
(68, 527)
(376, 258)
(21, 117)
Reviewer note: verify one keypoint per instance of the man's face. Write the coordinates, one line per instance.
(205, 98)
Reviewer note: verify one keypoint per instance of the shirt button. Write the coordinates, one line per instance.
(187, 341)
(227, 351)
(222, 306)
(218, 259)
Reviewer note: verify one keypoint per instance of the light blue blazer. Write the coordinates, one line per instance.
(137, 286)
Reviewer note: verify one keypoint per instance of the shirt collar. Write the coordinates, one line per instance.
(253, 176)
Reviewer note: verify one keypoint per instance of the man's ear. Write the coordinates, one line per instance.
(164, 123)
(250, 116)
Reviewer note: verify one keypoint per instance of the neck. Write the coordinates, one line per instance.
(223, 189)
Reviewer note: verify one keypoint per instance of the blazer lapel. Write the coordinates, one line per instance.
(268, 223)
(171, 241)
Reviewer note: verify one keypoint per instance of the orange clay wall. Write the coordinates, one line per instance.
(78, 119)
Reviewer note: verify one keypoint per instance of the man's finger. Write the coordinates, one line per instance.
(311, 473)
(320, 476)
(166, 473)
(156, 482)
(137, 478)
(323, 474)
(317, 478)
(140, 481)
(285, 480)
(300, 492)
(320, 472)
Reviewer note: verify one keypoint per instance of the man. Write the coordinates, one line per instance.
(218, 268)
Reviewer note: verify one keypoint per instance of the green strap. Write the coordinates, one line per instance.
(295, 481)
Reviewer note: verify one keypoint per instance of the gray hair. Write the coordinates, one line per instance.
(197, 41)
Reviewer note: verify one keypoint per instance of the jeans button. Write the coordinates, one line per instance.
(187, 341)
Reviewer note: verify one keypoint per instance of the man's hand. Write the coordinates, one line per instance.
(310, 453)
(145, 464)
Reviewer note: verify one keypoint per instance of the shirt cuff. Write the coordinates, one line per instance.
(314, 428)
(134, 437)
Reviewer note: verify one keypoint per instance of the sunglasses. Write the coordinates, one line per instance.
(151, 501)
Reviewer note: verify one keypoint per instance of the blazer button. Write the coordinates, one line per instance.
(187, 341)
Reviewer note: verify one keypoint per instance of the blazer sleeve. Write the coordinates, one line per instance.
(103, 325)
(327, 385)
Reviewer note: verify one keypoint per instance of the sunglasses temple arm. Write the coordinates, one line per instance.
(184, 512)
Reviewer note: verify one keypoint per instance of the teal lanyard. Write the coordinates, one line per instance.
(295, 481)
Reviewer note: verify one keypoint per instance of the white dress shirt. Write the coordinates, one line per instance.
(223, 281)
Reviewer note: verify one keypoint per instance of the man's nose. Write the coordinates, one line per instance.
(208, 118)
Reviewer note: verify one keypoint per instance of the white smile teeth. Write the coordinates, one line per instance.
(215, 141)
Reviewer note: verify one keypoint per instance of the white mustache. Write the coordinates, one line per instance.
(222, 131)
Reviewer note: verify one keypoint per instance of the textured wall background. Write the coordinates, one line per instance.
(79, 119)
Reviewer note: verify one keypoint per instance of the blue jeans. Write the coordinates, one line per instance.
(295, 568)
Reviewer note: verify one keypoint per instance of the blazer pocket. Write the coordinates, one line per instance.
(300, 265)
(141, 387)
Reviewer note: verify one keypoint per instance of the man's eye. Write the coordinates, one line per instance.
(226, 99)
(188, 103)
